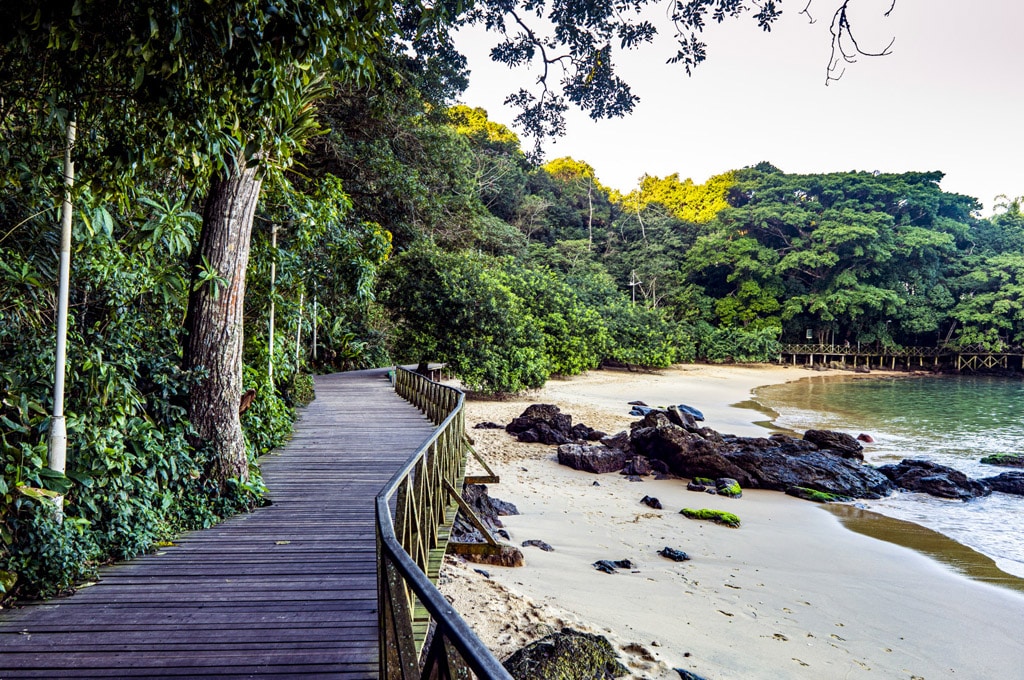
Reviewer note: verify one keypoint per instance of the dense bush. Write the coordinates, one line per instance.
(738, 345)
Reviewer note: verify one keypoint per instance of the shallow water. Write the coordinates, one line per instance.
(952, 420)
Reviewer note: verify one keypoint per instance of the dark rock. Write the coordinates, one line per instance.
(637, 403)
(596, 436)
(697, 415)
(696, 486)
(487, 509)
(651, 502)
(728, 487)
(634, 478)
(1004, 459)
(777, 463)
(596, 483)
(637, 465)
(681, 418)
(931, 478)
(543, 423)
(567, 655)
(711, 490)
(845, 444)
(673, 554)
(482, 573)
(866, 438)
(610, 566)
(580, 431)
(536, 543)
(687, 675)
(618, 441)
(488, 425)
(659, 467)
(503, 534)
(545, 434)
(596, 459)
(1007, 482)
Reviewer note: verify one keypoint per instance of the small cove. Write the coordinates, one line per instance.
(953, 420)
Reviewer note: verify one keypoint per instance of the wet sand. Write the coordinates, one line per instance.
(792, 593)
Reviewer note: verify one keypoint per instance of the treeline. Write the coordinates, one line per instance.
(412, 230)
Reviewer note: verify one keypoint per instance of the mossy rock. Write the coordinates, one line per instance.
(816, 496)
(567, 655)
(717, 516)
(704, 481)
(1004, 460)
(727, 486)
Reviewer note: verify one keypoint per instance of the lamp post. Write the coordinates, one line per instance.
(57, 445)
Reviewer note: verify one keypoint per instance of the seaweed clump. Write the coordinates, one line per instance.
(816, 496)
(717, 516)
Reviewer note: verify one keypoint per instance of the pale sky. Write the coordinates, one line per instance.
(950, 97)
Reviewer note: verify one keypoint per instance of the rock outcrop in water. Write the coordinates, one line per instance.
(1007, 482)
(934, 479)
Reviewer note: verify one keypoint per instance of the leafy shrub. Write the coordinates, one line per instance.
(737, 345)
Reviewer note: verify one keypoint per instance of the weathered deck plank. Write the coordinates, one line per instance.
(288, 591)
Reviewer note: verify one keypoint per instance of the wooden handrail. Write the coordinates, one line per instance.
(421, 634)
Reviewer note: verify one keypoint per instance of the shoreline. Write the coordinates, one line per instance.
(791, 594)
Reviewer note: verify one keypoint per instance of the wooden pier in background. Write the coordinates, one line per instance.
(287, 591)
(907, 358)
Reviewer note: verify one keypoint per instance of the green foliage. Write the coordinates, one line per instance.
(132, 477)
(457, 308)
(643, 336)
(717, 516)
(737, 345)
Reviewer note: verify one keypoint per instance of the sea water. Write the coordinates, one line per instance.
(954, 420)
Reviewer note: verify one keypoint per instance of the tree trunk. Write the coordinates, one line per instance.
(214, 321)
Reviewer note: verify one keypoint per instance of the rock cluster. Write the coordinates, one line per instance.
(934, 479)
(777, 462)
(545, 423)
(823, 466)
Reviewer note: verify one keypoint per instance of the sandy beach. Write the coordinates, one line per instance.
(789, 594)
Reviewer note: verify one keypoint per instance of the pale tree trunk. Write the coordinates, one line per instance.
(214, 321)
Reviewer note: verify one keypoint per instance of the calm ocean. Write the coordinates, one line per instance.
(952, 420)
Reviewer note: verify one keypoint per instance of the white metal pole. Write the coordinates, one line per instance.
(298, 331)
(314, 328)
(273, 282)
(58, 441)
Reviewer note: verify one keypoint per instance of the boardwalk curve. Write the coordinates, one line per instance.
(287, 591)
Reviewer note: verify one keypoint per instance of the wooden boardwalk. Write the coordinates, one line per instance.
(287, 591)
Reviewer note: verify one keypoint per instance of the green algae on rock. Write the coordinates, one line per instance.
(717, 516)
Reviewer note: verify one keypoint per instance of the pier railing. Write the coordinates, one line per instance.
(421, 634)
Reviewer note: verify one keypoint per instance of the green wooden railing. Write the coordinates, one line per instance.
(421, 634)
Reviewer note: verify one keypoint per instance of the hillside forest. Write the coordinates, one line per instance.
(408, 229)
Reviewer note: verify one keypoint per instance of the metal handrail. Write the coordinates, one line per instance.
(447, 648)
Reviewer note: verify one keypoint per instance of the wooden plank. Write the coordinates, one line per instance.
(287, 591)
